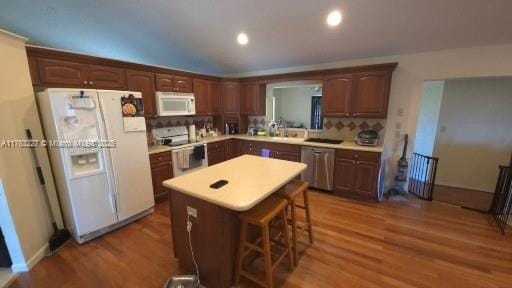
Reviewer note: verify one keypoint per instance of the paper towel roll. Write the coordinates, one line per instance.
(192, 133)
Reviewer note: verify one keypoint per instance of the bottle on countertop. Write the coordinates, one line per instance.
(306, 134)
(226, 129)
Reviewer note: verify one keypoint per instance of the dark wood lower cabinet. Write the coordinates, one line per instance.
(216, 152)
(161, 170)
(356, 174)
(231, 148)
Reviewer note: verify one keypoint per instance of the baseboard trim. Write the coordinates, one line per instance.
(43, 251)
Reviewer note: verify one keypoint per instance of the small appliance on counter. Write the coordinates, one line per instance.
(367, 138)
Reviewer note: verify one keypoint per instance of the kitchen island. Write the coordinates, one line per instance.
(215, 229)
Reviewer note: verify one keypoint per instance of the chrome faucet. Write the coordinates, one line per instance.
(282, 124)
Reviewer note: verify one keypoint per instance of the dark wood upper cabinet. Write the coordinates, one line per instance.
(203, 103)
(57, 72)
(230, 97)
(214, 93)
(106, 77)
(144, 82)
(337, 93)
(164, 83)
(70, 74)
(173, 83)
(183, 84)
(371, 94)
(252, 99)
(364, 94)
(34, 70)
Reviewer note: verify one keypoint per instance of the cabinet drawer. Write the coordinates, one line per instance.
(289, 148)
(215, 146)
(358, 155)
(159, 158)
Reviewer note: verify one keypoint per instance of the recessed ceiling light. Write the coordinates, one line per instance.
(242, 39)
(334, 18)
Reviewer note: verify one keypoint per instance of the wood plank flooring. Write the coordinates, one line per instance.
(392, 244)
(472, 199)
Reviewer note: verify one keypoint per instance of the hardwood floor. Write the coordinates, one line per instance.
(472, 199)
(392, 244)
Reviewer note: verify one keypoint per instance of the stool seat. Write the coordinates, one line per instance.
(291, 190)
(265, 211)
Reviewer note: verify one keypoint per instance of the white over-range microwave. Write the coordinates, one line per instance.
(175, 104)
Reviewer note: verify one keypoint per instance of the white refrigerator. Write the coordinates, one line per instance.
(98, 148)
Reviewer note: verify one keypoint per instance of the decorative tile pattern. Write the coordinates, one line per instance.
(377, 127)
(364, 126)
(327, 124)
(339, 125)
(336, 128)
(162, 122)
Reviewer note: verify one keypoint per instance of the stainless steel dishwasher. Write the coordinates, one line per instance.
(320, 169)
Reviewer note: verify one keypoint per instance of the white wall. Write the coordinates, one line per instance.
(24, 194)
(407, 84)
(429, 117)
(295, 103)
(474, 135)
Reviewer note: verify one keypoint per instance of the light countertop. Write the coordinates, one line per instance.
(251, 179)
(350, 145)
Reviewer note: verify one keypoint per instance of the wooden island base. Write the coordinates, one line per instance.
(215, 234)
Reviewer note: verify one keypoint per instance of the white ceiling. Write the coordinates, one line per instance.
(200, 35)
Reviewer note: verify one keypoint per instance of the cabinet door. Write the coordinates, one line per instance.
(214, 93)
(230, 98)
(164, 83)
(345, 172)
(159, 173)
(104, 77)
(202, 97)
(366, 179)
(231, 149)
(252, 99)
(216, 156)
(371, 94)
(183, 84)
(62, 73)
(143, 82)
(337, 91)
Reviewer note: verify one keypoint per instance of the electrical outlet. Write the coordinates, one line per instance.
(192, 211)
(400, 112)
(398, 125)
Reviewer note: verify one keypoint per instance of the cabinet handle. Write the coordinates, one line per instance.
(90, 82)
(355, 156)
(160, 158)
(355, 114)
(85, 82)
(353, 162)
(348, 114)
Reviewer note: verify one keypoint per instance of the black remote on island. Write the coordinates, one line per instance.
(218, 184)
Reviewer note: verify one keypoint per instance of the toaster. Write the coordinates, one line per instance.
(367, 138)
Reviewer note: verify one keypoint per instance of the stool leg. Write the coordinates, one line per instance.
(286, 236)
(243, 236)
(294, 231)
(267, 255)
(308, 216)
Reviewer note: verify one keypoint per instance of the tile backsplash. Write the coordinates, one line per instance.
(163, 122)
(336, 128)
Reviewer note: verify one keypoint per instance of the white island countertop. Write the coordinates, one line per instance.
(251, 179)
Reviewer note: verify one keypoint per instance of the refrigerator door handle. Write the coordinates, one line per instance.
(112, 185)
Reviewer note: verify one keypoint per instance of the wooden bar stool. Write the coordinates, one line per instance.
(261, 216)
(290, 192)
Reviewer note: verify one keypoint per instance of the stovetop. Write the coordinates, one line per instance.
(323, 140)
